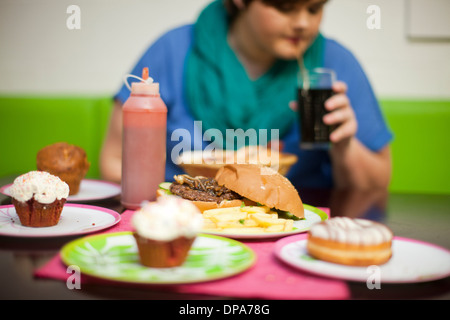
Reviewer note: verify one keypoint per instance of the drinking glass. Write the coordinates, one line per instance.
(314, 88)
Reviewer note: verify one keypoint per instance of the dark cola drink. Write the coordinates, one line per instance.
(314, 133)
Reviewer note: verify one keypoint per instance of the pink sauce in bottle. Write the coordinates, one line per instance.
(143, 144)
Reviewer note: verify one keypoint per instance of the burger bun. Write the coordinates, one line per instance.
(262, 185)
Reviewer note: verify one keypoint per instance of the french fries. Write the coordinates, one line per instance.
(246, 219)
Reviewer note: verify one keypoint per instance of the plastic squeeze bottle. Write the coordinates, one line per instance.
(144, 142)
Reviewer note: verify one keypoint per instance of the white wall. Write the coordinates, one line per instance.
(39, 54)
(397, 66)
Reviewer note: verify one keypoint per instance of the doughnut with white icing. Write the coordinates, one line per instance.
(356, 242)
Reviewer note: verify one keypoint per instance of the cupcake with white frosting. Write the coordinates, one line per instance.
(165, 231)
(39, 198)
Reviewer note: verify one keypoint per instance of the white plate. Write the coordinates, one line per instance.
(75, 219)
(312, 215)
(412, 261)
(90, 190)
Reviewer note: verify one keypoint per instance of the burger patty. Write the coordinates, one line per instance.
(202, 189)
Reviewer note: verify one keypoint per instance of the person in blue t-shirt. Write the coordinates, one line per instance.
(236, 68)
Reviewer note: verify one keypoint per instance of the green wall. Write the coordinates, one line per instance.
(420, 150)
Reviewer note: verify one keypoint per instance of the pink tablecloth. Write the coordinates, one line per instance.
(269, 278)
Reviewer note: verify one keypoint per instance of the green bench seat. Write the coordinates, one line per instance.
(30, 123)
(421, 145)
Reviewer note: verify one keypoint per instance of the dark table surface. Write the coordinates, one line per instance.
(424, 217)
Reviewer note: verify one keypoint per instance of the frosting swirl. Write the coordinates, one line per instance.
(168, 218)
(354, 231)
(43, 186)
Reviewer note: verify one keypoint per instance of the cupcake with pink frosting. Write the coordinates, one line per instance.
(39, 198)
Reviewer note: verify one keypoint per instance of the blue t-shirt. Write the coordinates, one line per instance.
(165, 59)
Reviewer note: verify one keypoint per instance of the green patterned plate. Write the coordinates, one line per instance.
(114, 256)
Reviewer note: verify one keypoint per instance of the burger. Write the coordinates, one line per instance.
(237, 185)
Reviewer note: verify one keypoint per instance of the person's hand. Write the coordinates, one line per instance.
(340, 115)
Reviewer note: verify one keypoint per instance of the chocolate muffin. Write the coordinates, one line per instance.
(68, 162)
